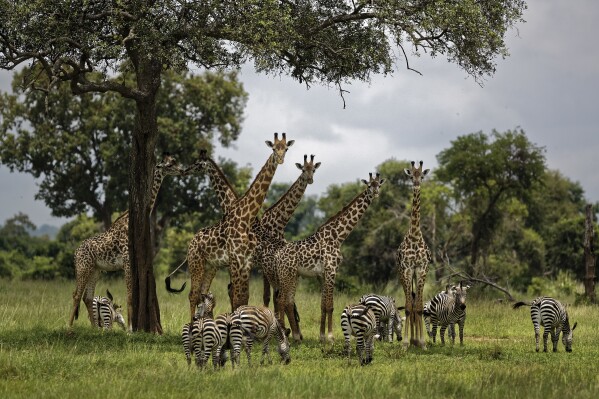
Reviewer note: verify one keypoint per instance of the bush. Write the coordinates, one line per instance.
(563, 285)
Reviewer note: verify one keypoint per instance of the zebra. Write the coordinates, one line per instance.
(229, 326)
(445, 310)
(426, 312)
(206, 340)
(387, 315)
(552, 315)
(205, 307)
(106, 312)
(360, 321)
(260, 323)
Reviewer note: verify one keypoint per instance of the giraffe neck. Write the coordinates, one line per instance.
(415, 216)
(248, 206)
(225, 193)
(277, 216)
(156, 183)
(338, 227)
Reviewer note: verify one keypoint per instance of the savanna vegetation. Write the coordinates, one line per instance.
(498, 359)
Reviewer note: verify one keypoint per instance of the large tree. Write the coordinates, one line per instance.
(486, 172)
(331, 42)
(77, 145)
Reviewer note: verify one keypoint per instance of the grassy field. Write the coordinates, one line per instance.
(498, 360)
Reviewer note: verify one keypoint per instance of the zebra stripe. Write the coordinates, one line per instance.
(205, 340)
(259, 323)
(229, 326)
(359, 321)
(106, 312)
(552, 315)
(387, 316)
(426, 313)
(445, 310)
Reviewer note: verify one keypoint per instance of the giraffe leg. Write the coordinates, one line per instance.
(196, 270)
(327, 307)
(266, 290)
(418, 306)
(239, 272)
(88, 295)
(288, 297)
(84, 267)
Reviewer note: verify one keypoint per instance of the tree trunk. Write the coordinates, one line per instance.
(589, 256)
(146, 312)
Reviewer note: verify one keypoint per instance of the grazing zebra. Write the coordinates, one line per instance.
(206, 340)
(229, 326)
(387, 316)
(447, 309)
(204, 308)
(552, 315)
(360, 321)
(260, 323)
(106, 312)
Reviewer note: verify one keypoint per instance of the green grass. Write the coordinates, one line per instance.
(498, 360)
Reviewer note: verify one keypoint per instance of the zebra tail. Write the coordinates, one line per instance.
(77, 311)
(518, 304)
(296, 313)
(167, 280)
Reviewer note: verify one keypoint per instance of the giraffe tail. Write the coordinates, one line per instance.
(167, 280)
(518, 304)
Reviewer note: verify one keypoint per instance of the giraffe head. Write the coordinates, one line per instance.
(169, 166)
(374, 185)
(416, 173)
(308, 168)
(198, 165)
(280, 147)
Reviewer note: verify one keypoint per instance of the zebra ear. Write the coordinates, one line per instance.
(108, 294)
(377, 336)
(575, 324)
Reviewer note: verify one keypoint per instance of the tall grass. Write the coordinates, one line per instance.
(498, 360)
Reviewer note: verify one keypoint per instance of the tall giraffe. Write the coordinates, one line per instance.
(319, 256)
(412, 259)
(109, 251)
(270, 229)
(229, 242)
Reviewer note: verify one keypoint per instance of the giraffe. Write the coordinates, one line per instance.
(229, 242)
(109, 251)
(270, 229)
(319, 255)
(412, 259)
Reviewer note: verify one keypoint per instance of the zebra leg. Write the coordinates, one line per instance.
(537, 335)
(461, 325)
(248, 349)
(545, 335)
(360, 349)
(442, 333)
(555, 338)
(451, 333)
(216, 357)
(389, 329)
(434, 331)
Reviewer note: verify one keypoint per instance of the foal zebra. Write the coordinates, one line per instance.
(204, 308)
(445, 310)
(260, 323)
(106, 312)
(387, 316)
(360, 321)
(552, 315)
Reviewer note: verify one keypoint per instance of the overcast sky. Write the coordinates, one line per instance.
(548, 86)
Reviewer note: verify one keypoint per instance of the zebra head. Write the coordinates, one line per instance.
(206, 306)
(460, 295)
(398, 323)
(118, 316)
(283, 348)
(568, 337)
